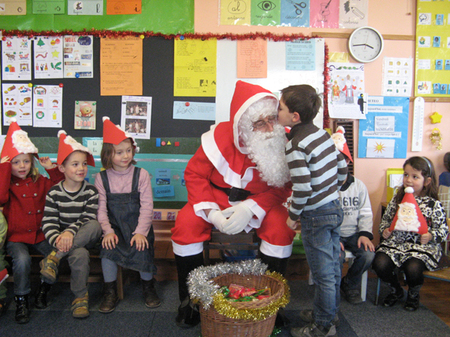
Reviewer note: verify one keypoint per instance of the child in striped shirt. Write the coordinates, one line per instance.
(70, 220)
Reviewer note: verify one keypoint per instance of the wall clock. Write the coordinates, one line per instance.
(365, 44)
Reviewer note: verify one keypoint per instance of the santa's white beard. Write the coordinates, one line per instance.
(266, 150)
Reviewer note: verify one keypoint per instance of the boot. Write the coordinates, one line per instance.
(22, 309)
(40, 300)
(412, 301)
(150, 296)
(110, 298)
(274, 263)
(49, 266)
(188, 312)
(395, 295)
(278, 265)
(80, 307)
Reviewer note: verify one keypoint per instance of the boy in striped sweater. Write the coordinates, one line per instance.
(317, 170)
(70, 220)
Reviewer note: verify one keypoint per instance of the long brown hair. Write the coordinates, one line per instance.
(426, 167)
(34, 171)
(107, 153)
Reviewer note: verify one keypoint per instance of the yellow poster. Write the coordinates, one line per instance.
(13, 7)
(120, 66)
(235, 12)
(195, 67)
(432, 49)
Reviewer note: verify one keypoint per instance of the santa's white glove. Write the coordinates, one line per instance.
(238, 218)
(217, 219)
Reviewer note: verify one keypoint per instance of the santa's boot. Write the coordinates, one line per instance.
(188, 314)
(279, 265)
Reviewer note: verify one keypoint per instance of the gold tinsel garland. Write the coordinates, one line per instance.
(225, 307)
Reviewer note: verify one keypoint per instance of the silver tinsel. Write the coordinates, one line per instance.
(202, 287)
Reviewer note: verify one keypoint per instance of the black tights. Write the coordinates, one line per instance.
(385, 269)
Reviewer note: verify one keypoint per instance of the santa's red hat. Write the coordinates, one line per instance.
(341, 143)
(17, 142)
(114, 134)
(409, 209)
(67, 145)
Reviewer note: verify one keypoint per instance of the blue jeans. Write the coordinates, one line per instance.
(21, 263)
(362, 261)
(320, 235)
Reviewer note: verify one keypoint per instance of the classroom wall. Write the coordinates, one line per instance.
(395, 18)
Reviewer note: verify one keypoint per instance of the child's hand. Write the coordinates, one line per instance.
(5, 159)
(425, 238)
(46, 163)
(140, 240)
(386, 233)
(292, 224)
(64, 241)
(366, 243)
(110, 241)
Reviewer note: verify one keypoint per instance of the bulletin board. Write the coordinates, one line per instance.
(432, 49)
(384, 132)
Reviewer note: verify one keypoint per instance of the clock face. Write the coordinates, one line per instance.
(365, 44)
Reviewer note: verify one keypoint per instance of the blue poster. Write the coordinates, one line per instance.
(384, 132)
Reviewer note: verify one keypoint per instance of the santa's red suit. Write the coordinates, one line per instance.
(223, 162)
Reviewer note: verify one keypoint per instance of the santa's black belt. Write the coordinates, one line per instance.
(234, 193)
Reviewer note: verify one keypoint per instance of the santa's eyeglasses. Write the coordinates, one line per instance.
(262, 123)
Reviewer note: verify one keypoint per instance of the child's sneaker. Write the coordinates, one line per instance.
(307, 316)
(49, 267)
(313, 330)
(80, 307)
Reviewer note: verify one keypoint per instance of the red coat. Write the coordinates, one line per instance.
(23, 203)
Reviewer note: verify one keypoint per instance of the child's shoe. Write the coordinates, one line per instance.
(413, 299)
(110, 298)
(395, 295)
(150, 296)
(80, 307)
(307, 316)
(313, 330)
(49, 266)
(188, 314)
(40, 300)
(22, 309)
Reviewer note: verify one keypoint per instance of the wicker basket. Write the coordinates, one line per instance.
(214, 324)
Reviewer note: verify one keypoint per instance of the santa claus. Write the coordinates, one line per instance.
(237, 180)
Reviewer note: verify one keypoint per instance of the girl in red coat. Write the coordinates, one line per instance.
(22, 194)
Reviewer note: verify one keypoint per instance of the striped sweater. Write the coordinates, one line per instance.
(317, 168)
(68, 211)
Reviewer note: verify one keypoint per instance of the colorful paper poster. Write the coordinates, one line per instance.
(121, 66)
(353, 13)
(48, 57)
(47, 106)
(384, 132)
(324, 14)
(136, 116)
(346, 95)
(195, 67)
(301, 55)
(294, 13)
(85, 115)
(117, 7)
(16, 58)
(78, 56)
(85, 7)
(194, 111)
(432, 49)
(397, 76)
(16, 102)
(235, 12)
(13, 7)
(252, 58)
(49, 6)
(266, 13)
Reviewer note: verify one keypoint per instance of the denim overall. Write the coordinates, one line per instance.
(123, 213)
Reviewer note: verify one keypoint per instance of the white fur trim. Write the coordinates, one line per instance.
(12, 120)
(409, 189)
(61, 132)
(187, 250)
(104, 118)
(280, 252)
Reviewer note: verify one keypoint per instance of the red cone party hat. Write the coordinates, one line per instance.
(409, 218)
(113, 134)
(17, 142)
(67, 145)
(341, 142)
